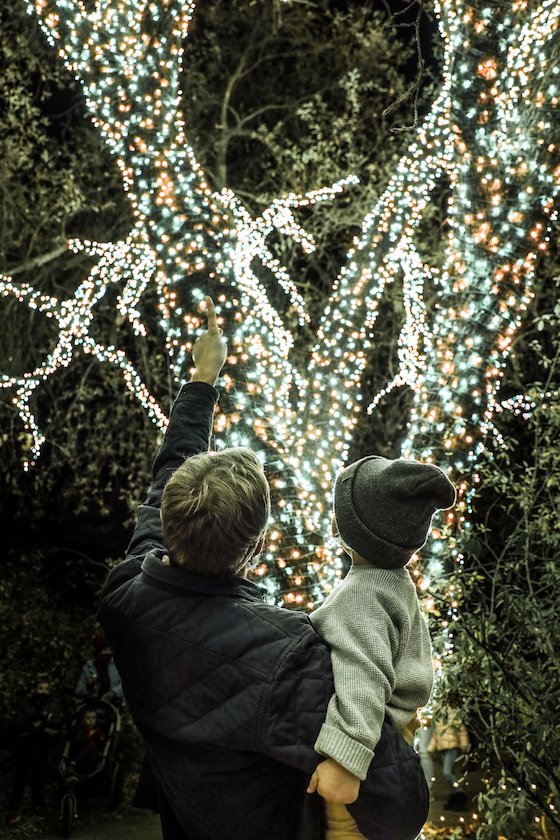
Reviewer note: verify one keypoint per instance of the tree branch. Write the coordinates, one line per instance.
(222, 145)
(37, 262)
(415, 86)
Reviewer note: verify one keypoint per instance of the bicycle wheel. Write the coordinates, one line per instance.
(67, 813)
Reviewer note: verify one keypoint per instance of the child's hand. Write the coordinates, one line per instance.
(334, 783)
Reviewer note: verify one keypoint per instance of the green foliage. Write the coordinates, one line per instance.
(45, 634)
(504, 673)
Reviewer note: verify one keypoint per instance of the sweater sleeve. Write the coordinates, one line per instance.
(363, 642)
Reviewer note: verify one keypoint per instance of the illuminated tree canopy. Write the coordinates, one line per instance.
(489, 132)
(157, 152)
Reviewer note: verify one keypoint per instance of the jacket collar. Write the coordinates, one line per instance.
(155, 566)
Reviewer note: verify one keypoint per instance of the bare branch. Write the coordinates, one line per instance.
(222, 145)
(37, 262)
(415, 87)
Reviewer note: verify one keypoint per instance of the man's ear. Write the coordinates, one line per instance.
(253, 559)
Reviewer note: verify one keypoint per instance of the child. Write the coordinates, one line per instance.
(88, 743)
(380, 645)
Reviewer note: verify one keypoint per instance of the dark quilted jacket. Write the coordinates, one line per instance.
(229, 692)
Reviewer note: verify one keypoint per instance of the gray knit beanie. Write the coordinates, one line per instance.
(384, 508)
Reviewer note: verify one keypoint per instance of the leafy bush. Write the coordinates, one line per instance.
(505, 671)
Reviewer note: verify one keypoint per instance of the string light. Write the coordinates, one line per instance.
(487, 133)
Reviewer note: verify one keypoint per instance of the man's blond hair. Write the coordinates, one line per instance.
(214, 509)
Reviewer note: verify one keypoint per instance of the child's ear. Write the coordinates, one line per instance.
(334, 527)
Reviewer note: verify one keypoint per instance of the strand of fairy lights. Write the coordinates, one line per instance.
(131, 82)
(495, 230)
(176, 215)
(494, 324)
(74, 317)
(446, 388)
(518, 405)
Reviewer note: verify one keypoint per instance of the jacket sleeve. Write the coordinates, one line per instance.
(188, 433)
(297, 701)
(54, 720)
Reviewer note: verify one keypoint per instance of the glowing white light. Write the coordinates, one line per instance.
(489, 132)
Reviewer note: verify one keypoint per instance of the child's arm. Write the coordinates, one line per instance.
(363, 644)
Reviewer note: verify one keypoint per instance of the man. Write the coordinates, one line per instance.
(228, 692)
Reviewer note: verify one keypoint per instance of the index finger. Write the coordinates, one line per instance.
(211, 314)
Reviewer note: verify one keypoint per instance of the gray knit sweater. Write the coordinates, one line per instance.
(382, 661)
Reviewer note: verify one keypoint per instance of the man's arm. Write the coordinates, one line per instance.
(188, 433)
(297, 699)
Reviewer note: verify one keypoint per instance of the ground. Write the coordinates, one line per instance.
(441, 822)
(96, 822)
(128, 824)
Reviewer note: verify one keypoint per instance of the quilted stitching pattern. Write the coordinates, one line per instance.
(228, 692)
(201, 667)
(205, 676)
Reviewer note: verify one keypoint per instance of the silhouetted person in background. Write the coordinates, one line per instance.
(35, 727)
(449, 740)
(422, 742)
(99, 676)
